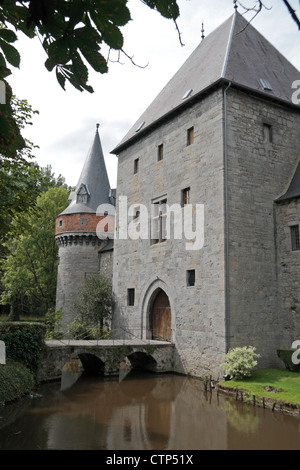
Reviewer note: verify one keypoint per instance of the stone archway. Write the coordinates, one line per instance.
(160, 317)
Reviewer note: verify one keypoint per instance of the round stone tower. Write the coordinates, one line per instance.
(80, 241)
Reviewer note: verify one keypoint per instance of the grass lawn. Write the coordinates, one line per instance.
(283, 379)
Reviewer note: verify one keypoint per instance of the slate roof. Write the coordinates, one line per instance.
(235, 52)
(294, 187)
(94, 177)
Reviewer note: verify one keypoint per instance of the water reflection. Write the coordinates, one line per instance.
(144, 412)
(71, 372)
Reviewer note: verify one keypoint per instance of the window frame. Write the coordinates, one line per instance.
(190, 136)
(189, 273)
(186, 196)
(136, 165)
(130, 297)
(295, 237)
(267, 133)
(159, 218)
(160, 152)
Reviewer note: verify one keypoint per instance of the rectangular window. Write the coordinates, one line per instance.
(190, 277)
(158, 221)
(185, 196)
(136, 166)
(130, 297)
(190, 136)
(295, 240)
(267, 133)
(160, 152)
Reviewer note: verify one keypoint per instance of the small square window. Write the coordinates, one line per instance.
(190, 277)
(295, 240)
(267, 133)
(130, 297)
(160, 152)
(136, 166)
(190, 136)
(185, 196)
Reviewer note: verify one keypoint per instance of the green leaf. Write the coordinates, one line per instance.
(115, 11)
(112, 36)
(167, 8)
(88, 37)
(79, 69)
(58, 51)
(60, 78)
(8, 35)
(11, 54)
(96, 60)
(50, 64)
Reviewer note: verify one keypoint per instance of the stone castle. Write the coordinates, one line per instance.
(218, 152)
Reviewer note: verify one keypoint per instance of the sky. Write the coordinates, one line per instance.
(65, 126)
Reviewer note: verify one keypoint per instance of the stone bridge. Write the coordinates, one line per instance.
(103, 357)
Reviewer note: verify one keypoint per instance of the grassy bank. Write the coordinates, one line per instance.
(275, 384)
(15, 381)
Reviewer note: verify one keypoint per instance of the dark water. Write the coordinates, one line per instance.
(144, 412)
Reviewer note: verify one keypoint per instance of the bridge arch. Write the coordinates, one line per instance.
(91, 363)
(140, 360)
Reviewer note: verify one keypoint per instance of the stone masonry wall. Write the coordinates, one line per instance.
(258, 173)
(106, 263)
(198, 324)
(288, 262)
(75, 263)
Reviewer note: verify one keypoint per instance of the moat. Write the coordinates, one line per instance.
(141, 412)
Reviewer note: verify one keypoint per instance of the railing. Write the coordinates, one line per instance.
(92, 336)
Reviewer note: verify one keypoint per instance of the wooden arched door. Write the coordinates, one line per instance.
(161, 317)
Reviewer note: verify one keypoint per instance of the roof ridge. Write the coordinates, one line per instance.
(229, 44)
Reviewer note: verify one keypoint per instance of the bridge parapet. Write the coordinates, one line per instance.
(104, 356)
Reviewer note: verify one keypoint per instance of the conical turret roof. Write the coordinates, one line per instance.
(235, 52)
(93, 186)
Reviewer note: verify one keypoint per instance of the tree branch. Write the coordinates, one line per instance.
(292, 12)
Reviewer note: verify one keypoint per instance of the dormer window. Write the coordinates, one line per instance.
(83, 194)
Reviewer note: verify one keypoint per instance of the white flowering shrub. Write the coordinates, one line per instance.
(239, 362)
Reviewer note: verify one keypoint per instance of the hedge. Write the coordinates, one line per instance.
(15, 381)
(24, 342)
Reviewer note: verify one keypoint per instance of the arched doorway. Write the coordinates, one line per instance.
(161, 317)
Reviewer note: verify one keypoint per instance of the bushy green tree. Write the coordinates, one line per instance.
(94, 303)
(239, 362)
(29, 271)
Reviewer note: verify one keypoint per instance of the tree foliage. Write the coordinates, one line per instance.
(72, 33)
(29, 271)
(21, 178)
(94, 302)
